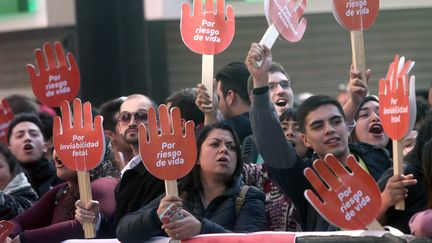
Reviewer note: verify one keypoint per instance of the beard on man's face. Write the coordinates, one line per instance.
(130, 136)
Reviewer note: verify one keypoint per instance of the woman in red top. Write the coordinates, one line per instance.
(52, 218)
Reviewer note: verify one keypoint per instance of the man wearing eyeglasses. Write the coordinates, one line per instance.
(137, 186)
(280, 88)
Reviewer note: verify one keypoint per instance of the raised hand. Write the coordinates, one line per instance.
(79, 143)
(168, 154)
(395, 92)
(259, 73)
(207, 32)
(350, 200)
(289, 21)
(6, 116)
(58, 78)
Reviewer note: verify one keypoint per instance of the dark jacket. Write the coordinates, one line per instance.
(286, 168)
(414, 203)
(136, 188)
(218, 217)
(16, 197)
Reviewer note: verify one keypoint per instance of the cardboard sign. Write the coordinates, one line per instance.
(207, 32)
(355, 14)
(6, 116)
(257, 237)
(58, 78)
(168, 155)
(350, 200)
(394, 98)
(79, 144)
(286, 15)
(5, 229)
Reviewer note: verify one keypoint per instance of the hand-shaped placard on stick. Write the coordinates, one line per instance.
(350, 200)
(394, 92)
(397, 108)
(356, 16)
(80, 145)
(170, 154)
(285, 18)
(58, 78)
(5, 229)
(6, 116)
(207, 33)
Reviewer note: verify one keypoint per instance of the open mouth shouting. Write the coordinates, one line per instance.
(223, 160)
(282, 102)
(28, 148)
(292, 143)
(376, 129)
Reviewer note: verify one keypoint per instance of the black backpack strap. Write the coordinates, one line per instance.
(241, 197)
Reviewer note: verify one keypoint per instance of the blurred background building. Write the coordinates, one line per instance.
(130, 46)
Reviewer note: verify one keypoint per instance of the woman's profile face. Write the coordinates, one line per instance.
(369, 128)
(63, 172)
(218, 158)
(5, 175)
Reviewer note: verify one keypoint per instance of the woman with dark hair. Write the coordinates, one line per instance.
(280, 210)
(207, 196)
(52, 218)
(16, 193)
(420, 223)
(415, 195)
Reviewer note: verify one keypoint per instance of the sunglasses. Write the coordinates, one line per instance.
(139, 116)
(285, 84)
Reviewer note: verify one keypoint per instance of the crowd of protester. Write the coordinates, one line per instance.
(255, 139)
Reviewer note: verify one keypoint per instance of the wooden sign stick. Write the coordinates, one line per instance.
(358, 52)
(171, 187)
(398, 168)
(85, 196)
(207, 76)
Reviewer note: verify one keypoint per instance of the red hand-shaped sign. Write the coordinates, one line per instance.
(350, 200)
(287, 18)
(6, 116)
(168, 155)
(80, 145)
(206, 32)
(56, 81)
(5, 229)
(394, 101)
(356, 14)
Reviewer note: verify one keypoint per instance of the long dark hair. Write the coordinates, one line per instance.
(14, 166)
(427, 169)
(192, 181)
(424, 134)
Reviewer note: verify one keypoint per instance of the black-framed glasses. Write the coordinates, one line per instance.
(285, 84)
(139, 116)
